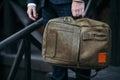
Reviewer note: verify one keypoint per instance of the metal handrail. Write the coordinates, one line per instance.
(24, 47)
(20, 34)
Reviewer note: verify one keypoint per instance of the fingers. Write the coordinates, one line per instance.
(31, 11)
(35, 15)
(78, 9)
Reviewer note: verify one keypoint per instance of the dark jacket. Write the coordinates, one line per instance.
(52, 1)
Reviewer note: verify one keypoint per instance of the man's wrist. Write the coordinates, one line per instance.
(31, 4)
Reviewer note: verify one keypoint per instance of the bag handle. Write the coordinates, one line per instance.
(65, 19)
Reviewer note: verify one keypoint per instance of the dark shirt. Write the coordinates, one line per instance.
(42, 2)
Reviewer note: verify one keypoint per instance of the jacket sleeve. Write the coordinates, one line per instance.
(82, 0)
(31, 1)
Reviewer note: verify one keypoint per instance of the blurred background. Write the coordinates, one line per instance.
(21, 40)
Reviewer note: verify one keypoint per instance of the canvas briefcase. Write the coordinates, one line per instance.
(77, 43)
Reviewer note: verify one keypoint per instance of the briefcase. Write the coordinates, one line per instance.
(77, 43)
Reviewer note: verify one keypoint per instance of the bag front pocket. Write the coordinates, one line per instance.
(62, 44)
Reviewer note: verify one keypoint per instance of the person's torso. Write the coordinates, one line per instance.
(42, 2)
(60, 1)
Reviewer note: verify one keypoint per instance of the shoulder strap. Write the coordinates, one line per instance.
(87, 7)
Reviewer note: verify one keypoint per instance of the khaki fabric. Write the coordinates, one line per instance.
(78, 43)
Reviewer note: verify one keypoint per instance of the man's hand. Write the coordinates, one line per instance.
(31, 11)
(78, 8)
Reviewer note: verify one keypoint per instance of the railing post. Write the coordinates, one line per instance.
(24, 49)
(16, 62)
(27, 49)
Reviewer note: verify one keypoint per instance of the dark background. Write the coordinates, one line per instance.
(105, 10)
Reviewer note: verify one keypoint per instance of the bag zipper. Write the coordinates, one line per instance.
(78, 64)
